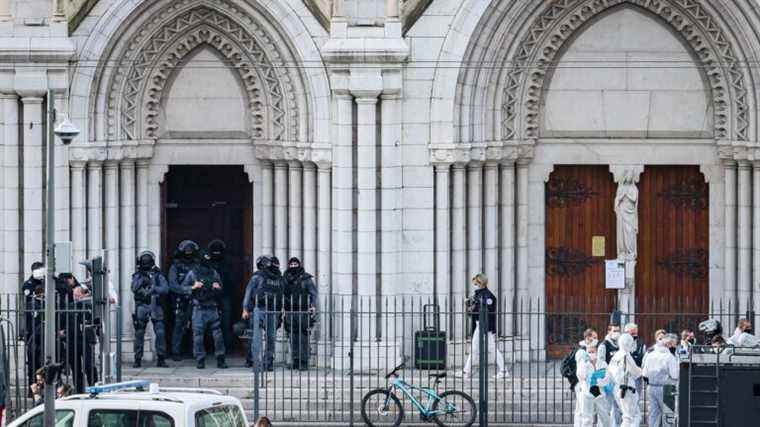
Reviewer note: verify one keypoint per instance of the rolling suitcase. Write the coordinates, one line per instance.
(430, 343)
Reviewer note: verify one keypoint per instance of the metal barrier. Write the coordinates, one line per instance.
(352, 343)
(79, 352)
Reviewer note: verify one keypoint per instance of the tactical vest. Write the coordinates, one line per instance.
(269, 294)
(143, 293)
(206, 296)
(296, 294)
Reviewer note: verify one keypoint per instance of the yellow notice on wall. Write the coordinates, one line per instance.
(597, 246)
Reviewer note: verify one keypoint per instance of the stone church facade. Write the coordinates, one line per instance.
(397, 147)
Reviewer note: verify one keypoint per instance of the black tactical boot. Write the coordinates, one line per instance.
(220, 363)
(161, 363)
(137, 364)
(201, 364)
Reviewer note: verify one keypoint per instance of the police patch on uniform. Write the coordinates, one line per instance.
(489, 301)
(26, 292)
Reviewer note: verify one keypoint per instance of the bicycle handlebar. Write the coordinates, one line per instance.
(397, 368)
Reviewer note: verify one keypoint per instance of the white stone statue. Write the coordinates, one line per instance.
(627, 210)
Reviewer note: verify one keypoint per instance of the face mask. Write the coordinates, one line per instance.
(593, 343)
(38, 274)
(615, 336)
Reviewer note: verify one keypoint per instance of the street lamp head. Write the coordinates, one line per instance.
(66, 131)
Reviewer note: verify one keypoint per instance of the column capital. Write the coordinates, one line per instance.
(94, 164)
(77, 165)
(8, 95)
(310, 166)
(442, 167)
(366, 98)
(295, 164)
(111, 165)
(620, 171)
(128, 163)
(142, 163)
(280, 164)
(31, 98)
(744, 164)
(728, 163)
(491, 164)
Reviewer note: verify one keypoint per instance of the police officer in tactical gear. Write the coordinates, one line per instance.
(148, 285)
(216, 251)
(80, 331)
(206, 286)
(262, 304)
(34, 299)
(185, 260)
(299, 304)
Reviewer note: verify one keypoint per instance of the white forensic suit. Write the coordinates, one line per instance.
(624, 372)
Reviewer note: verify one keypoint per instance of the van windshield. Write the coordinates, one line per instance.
(220, 416)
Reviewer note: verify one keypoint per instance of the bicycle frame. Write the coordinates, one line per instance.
(432, 396)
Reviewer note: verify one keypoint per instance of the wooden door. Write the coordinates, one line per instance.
(579, 210)
(672, 270)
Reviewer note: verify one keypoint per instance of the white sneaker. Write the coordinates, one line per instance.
(462, 374)
(502, 374)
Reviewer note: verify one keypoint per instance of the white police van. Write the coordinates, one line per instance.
(141, 404)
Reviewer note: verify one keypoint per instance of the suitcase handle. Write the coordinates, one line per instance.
(434, 311)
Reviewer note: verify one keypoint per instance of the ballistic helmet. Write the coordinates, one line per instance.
(146, 260)
(188, 249)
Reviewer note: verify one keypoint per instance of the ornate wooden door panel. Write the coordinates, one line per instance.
(579, 206)
(672, 270)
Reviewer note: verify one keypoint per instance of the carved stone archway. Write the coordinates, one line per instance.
(156, 51)
(557, 23)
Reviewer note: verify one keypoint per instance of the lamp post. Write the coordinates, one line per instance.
(66, 131)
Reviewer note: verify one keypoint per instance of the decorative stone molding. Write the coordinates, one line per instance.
(100, 152)
(450, 154)
(619, 172)
(549, 32)
(135, 93)
(304, 152)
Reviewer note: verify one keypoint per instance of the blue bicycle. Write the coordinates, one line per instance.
(450, 408)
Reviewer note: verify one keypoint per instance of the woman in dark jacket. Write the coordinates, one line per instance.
(483, 296)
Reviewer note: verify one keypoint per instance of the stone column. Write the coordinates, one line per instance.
(142, 205)
(459, 282)
(78, 216)
(62, 184)
(744, 234)
(507, 255)
(390, 195)
(94, 209)
(522, 232)
(33, 154)
(10, 178)
(474, 219)
(58, 13)
(281, 211)
(756, 238)
(5, 11)
(729, 276)
(391, 8)
(337, 8)
(310, 217)
(366, 172)
(127, 241)
(491, 225)
(267, 203)
(343, 200)
(112, 219)
(324, 228)
(442, 230)
(295, 214)
(3, 282)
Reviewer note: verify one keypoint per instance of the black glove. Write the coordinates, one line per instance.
(594, 390)
(646, 380)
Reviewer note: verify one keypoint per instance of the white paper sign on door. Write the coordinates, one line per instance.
(614, 275)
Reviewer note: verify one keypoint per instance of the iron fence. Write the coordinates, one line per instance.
(81, 351)
(353, 342)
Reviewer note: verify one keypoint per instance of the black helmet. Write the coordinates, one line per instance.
(263, 262)
(188, 249)
(146, 260)
(216, 248)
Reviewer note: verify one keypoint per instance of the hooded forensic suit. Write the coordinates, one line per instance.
(624, 372)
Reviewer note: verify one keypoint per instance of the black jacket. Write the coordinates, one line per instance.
(485, 295)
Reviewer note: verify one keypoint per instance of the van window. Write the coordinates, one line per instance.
(63, 418)
(128, 418)
(220, 416)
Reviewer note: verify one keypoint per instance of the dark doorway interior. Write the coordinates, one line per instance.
(203, 203)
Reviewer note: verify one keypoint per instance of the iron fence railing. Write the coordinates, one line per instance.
(353, 341)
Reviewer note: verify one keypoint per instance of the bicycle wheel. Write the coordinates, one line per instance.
(458, 409)
(381, 408)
